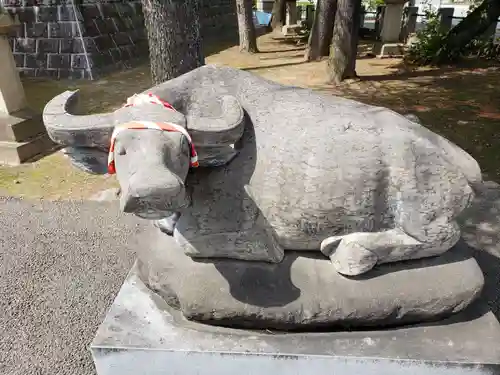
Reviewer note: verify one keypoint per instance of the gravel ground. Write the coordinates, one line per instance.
(61, 265)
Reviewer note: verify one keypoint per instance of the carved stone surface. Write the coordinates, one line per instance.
(362, 184)
(310, 188)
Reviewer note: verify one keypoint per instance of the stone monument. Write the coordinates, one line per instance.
(390, 44)
(22, 134)
(293, 231)
(292, 26)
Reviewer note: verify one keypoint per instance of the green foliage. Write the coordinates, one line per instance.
(429, 40)
(371, 5)
(483, 49)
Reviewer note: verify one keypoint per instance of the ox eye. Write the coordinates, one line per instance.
(121, 150)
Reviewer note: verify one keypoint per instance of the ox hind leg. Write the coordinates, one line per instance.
(357, 253)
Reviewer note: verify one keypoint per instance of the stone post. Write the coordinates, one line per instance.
(379, 19)
(265, 5)
(292, 27)
(362, 17)
(22, 134)
(12, 98)
(391, 26)
(445, 18)
(300, 13)
(291, 12)
(389, 45)
(410, 23)
(309, 15)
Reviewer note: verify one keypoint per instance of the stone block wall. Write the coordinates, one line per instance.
(86, 38)
(219, 19)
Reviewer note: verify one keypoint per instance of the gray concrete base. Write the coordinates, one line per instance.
(141, 335)
(382, 50)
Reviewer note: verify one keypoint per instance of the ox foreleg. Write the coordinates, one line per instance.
(167, 225)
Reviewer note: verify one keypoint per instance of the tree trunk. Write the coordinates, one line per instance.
(173, 30)
(343, 51)
(278, 14)
(246, 27)
(322, 30)
(471, 27)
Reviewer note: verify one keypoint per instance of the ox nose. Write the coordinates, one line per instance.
(153, 196)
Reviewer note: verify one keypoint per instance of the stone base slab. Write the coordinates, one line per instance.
(304, 291)
(141, 335)
(15, 153)
(21, 126)
(382, 50)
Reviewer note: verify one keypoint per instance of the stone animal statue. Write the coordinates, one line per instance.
(280, 168)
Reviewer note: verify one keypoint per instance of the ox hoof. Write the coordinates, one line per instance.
(348, 257)
(167, 225)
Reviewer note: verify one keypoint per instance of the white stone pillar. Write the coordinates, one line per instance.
(12, 97)
(291, 12)
(22, 134)
(391, 27)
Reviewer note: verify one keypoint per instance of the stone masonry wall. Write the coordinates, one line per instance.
(86, 38)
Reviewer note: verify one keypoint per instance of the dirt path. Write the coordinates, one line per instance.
(459, 103)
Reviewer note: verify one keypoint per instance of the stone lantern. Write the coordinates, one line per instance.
(291, 27)
(22, 134)
(390, 44)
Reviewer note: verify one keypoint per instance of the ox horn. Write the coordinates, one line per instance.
(79, 131)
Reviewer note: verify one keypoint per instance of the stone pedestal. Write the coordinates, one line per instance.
(22, 134)
(142, 336)
(389, 44)
(291, 13)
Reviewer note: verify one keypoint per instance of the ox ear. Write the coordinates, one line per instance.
(214, 121)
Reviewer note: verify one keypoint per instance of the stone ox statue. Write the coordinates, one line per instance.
(280, 168)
